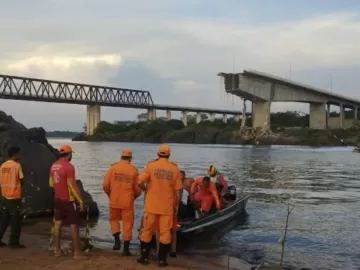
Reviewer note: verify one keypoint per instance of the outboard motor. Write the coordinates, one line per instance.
(230, 194)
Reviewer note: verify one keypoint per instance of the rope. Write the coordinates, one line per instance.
(281, 239)
(52, 234)
(88, 243)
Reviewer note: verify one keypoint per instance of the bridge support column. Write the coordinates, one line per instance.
(168, 115)
(151, 115)
(225, 118)
(342, 115)
(93, 118)
(318, 116)
(237, 118)
(212, 117)
(198, 118)
(184, 118)
(261, 114)
(356, 113)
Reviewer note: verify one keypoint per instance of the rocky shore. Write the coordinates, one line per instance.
(37, 157)
(173, 131)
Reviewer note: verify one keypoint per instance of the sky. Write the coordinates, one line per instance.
(175, 50)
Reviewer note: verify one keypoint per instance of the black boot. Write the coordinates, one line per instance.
(145, 249)
(126, 251)
(163, 250)
(117, 244)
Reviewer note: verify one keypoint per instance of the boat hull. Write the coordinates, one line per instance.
(213, 227)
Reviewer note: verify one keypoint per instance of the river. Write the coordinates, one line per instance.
(322, 184)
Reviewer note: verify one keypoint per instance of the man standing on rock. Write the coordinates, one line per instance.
(66, 193)
(11, 181)
(162, 182)
(121, 186)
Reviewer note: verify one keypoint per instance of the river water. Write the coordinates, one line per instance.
(322, 185)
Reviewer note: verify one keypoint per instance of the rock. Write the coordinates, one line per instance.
(37, 157)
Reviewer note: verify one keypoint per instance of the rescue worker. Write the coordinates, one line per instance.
(204, 194)
(161, 180)
(66, 195)
(11, 181)
(121, 186)
(185, 210)
(218, 179)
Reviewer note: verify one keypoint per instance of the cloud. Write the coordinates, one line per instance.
(173, 50)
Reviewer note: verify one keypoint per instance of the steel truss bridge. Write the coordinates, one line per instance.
(32, 89)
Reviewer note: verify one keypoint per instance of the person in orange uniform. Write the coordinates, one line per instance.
(11, 180)
(187, 182)
(66, 195)
(162, 181)
(204, 194)
(121, 186)
(218, 179)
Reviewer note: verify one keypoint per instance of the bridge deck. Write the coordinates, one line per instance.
(294, 84)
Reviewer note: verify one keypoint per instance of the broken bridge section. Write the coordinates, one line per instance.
(262, 89)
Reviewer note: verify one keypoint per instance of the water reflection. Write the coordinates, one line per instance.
(322, 183)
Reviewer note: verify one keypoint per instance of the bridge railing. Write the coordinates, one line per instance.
(22, 88)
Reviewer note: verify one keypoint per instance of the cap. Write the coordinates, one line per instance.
(164, 150)
(126, 153)
(65, 149)
(212, 170)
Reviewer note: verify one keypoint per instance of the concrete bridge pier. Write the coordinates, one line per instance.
(93, 118)
(225, 118)
(342, 121)
(212, 117)
(151, 114)
(237, 118)
(261, 114)
(318, 116)
(184, 118)
(168, 115)
(198, 118)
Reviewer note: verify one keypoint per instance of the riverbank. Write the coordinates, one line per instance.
(37, 256)
(217, 132)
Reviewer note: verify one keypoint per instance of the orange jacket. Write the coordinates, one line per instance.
(120, 184)
(11, 176)
(162, 179)
(198, 186)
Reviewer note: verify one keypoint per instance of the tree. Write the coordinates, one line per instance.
(85, 127)
(142, 117)
(204, 117)
(191, 118)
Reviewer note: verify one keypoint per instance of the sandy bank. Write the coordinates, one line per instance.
(36, 256)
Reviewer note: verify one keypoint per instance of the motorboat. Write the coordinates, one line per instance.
(216, 224)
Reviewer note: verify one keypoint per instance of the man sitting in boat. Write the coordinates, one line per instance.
(218, 179)
(186, 210)
(203, 195)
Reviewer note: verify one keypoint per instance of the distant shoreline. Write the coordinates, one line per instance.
(61, 134)
(273, 140)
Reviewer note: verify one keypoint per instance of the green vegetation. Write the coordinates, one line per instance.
(288, 128)
(61, 134)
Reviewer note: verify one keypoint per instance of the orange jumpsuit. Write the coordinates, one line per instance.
(205, 195)
(163, 180)
(120, 184)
